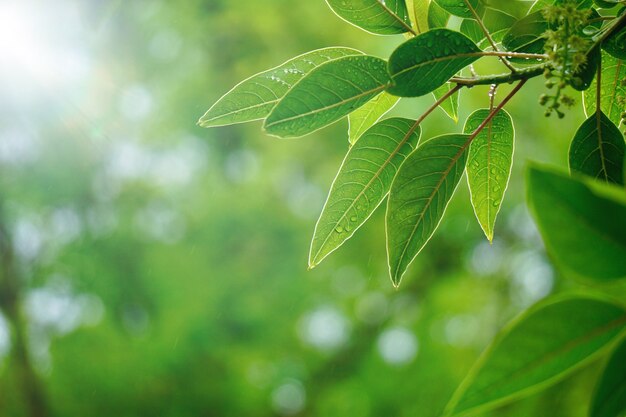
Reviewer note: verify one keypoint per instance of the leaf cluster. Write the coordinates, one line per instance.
(575, 44)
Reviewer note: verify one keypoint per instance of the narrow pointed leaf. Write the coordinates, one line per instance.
(583, 229)
(459, 7)
(362, 183)
(418, 13)
(609, 399)
(451, 105)
(537, 349)
(255, 97)
(598, 149)
(612, 90)
(328, 93)
(424, 63)
(419, 196)
(489, 165)
(383, 17)
(362, 119)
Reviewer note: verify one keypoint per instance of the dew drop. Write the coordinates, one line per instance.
(339, 229)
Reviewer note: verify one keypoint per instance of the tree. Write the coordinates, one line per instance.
(575, 45)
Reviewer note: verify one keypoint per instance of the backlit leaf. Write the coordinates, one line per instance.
(598, 149)
(363, 118)
(537, 349)
(612, 92)
(424, 63)
(584, 76)
(459, 7)
(609, 399)
(616, 43)
(583, 228)
(383, 17)
(362, 183)
(437, 17)
(419, 196)
(489, 165)
(255, 97)
(418, 13)
(328, 93)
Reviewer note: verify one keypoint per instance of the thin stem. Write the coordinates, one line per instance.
(488, 35)
(493, 89)
(514, 55)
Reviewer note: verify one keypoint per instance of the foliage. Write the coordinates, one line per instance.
(574, 45)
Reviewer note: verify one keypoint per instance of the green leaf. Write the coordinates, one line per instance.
(616, 43)
(459, 7)
(606, 4)
(328, 93)
(365, 117)
(585, 75)
(542, 4)
(419, 196)
(598, 150)
(497, 20)
(612, 90)
(382, 17)
(424, 63)
(451, 105)
(362, 183)
(609, 400)
(437, 17)
(254, 98)
(489, 165)
(418, 13)
(583, 229)
(527, 34)
(537, 349)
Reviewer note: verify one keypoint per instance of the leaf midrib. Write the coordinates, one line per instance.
(370, 182)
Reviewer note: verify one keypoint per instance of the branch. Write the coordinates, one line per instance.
(520, 75)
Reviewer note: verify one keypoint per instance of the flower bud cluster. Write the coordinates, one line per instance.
(566, 47)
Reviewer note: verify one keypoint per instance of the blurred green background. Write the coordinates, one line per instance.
(154, 268)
